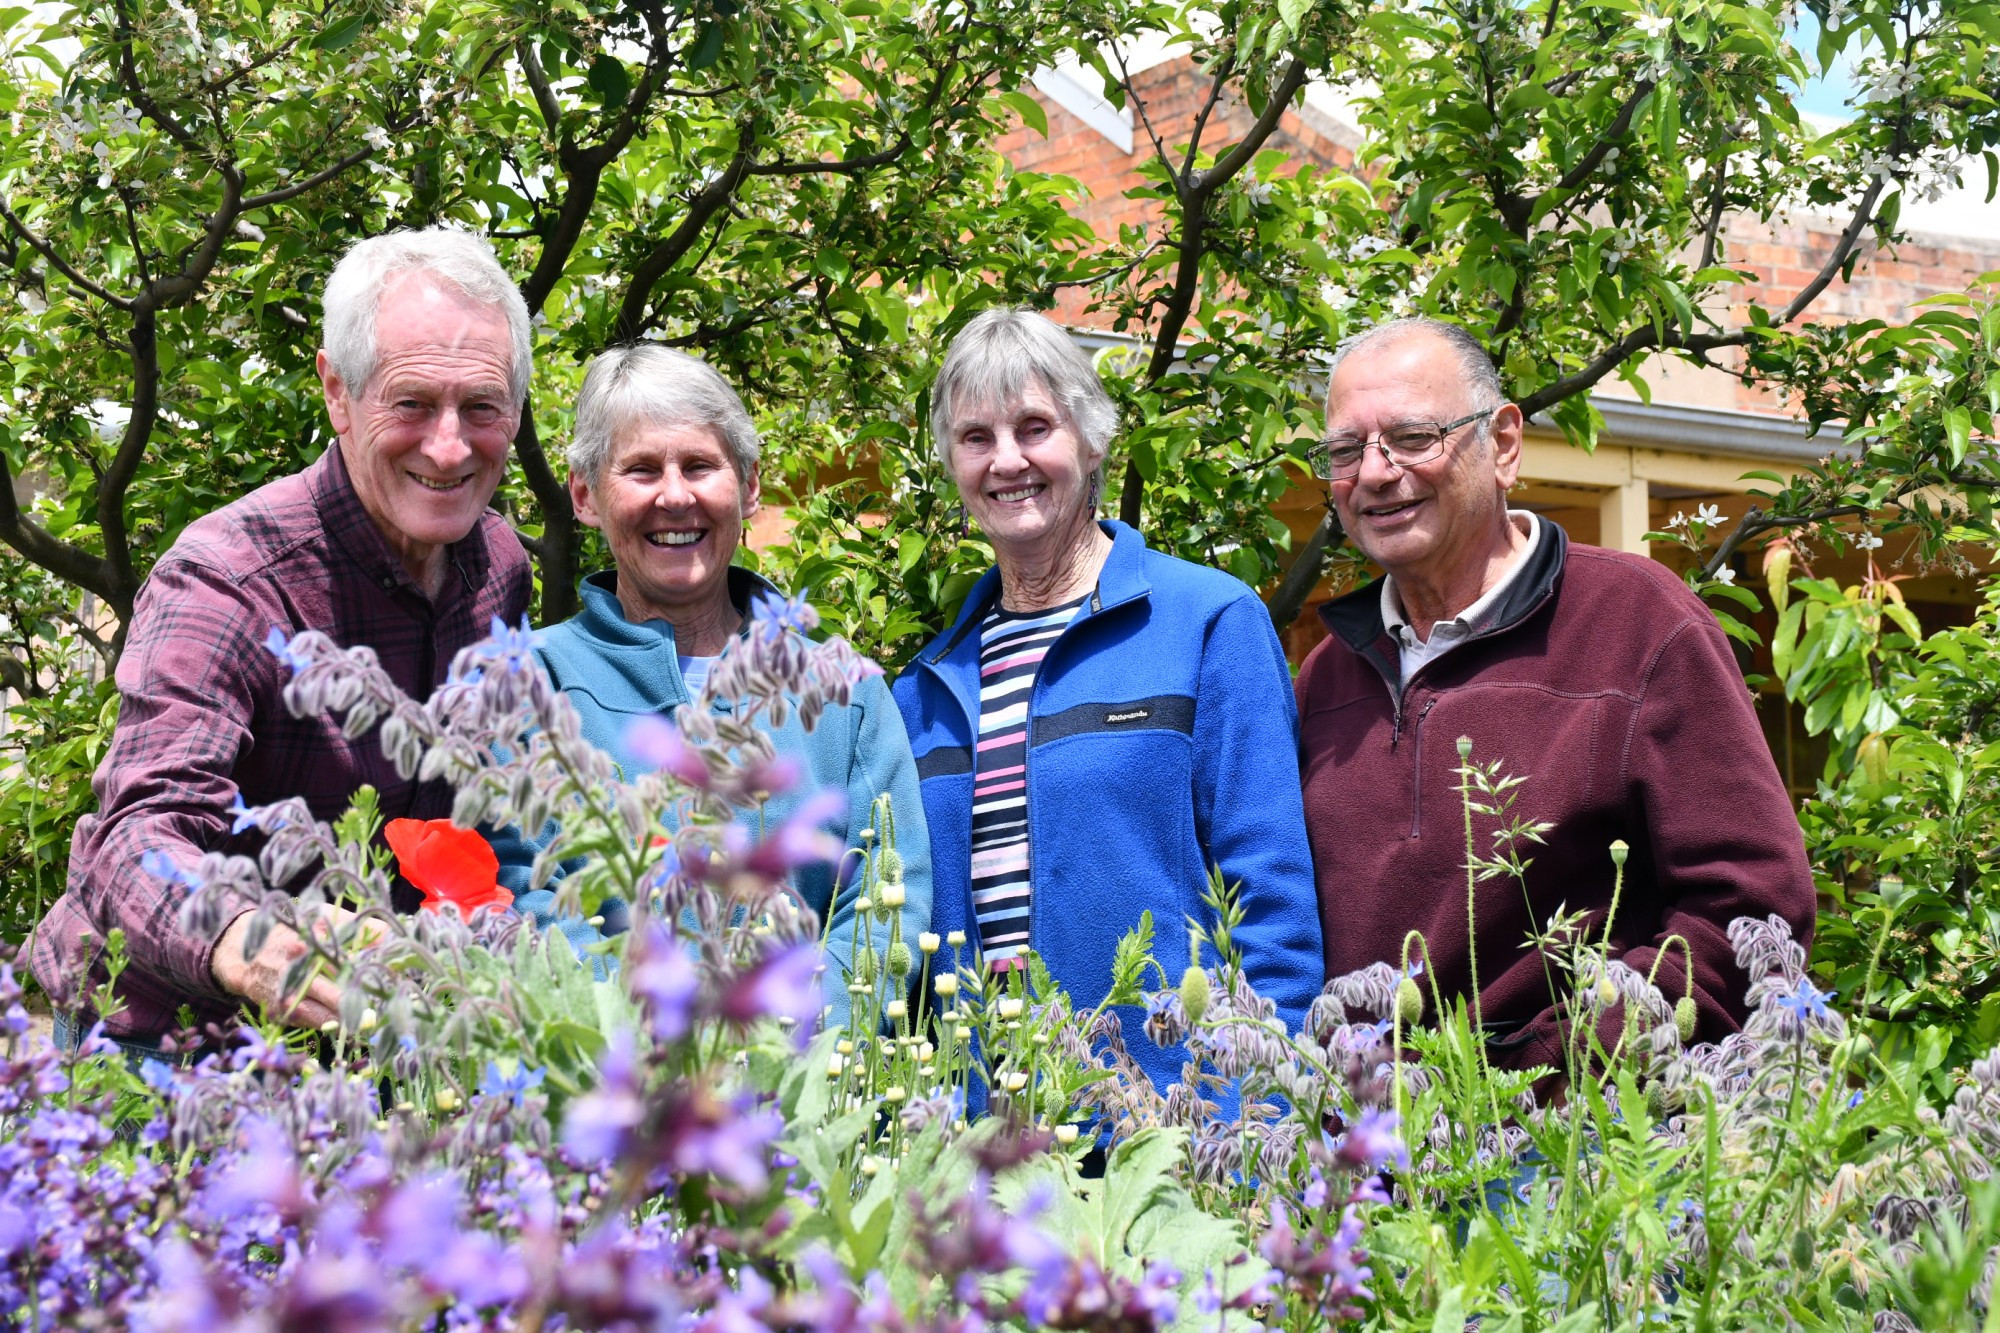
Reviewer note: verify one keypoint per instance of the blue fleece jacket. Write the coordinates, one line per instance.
(615, 671)
(1164, 740)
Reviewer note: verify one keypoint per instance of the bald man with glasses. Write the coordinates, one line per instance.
(1596, 676)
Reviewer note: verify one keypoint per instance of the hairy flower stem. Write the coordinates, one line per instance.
(1482, 1069)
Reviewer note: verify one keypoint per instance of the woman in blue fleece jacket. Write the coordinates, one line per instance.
(664, 461)
(1103, 723)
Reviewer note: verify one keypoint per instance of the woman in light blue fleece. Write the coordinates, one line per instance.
(664, 462)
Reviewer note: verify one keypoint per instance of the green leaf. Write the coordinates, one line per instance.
(707, 47)
(340, 35)
(910, 549)
(612, 82)
(1029, 109)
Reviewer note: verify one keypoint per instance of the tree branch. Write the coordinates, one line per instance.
(1289, 597)
(58, 263)
(1216, 86)
(312, 182)
(1614, 356)
(1139, 105)
(1838, 257)
(1581, 170)
(72, 564)
(1294, 78)
(117, 479)
(707, 202)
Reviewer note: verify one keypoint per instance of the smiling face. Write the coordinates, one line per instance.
(672, 510)
(425, 440)
(1023, 471)
(1433, 523)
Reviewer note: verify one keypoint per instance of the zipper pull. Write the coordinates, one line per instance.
(1396, 730)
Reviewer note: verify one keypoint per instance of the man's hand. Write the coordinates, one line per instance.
(257, 978)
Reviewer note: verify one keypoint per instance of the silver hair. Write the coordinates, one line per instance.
(454, 259)
(1481, 376)
(650, 383)
(998, 355)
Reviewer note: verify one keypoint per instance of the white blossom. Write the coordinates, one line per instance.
(1868, 541)
(1653, 25)
(1708, 514)
(1725, 576)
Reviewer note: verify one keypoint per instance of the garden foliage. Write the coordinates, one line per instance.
(491, 1136)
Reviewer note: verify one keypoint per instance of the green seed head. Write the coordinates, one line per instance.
(1194, 993)
(1464, 747)
(1409, 1002)
(899, 959)
(1619, 851)
(1685, 1015)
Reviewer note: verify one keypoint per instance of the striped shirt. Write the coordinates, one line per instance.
(1012, 645)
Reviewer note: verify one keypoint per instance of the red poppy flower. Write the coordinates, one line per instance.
(447, 864)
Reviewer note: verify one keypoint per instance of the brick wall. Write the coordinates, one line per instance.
(1785, 254)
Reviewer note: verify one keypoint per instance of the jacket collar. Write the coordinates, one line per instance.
(1356, 619)
(1122, 579)
(603, 617)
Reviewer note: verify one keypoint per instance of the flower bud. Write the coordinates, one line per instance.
(1010, 1006)
(370, 1020)
(956, 939)
(894, 1095)
(1685, 1015)
(1066, 1134)
(1015, 1081)
(1194, 993)
(1802, 1249)
(834, 1064)
(871, 1165)
(889, 865)
(946, 985)
(893, 896)
(895, 1009)
(446, 1099)
(863, 905)
(1656, 1100)
(1409, 1002)
(1607, 993)
(899, 959)
(963, 1032)
(844, 1046)
(928, 942)
(1619, 851)
(864, 967)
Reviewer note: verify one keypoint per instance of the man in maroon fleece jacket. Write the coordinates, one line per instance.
(1595, 675)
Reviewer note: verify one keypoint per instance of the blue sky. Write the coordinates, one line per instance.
(1829, 94)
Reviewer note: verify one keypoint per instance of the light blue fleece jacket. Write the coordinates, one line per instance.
(616, 672)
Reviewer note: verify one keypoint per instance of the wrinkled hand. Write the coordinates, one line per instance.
(257, 978)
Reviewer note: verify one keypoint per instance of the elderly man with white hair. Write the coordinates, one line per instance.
(1105, 725)
(385, 541)
(1596, 677)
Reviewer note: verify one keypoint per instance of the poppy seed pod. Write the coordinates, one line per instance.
(1409, 1001)
(1194, 993)
(1685, 1015)
(1620, 849)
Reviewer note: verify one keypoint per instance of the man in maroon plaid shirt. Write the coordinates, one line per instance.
(385, 541)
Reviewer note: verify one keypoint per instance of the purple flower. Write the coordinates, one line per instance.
(280, 645)
(599, 1125)
(656, 743)
(783, 984)
(162, 866)
(514, 1086)
(1373, 1142)
(664, 978)
(800, 840)
(771, 617)
(1807, 1002)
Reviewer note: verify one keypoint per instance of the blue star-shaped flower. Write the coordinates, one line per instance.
(773, 616)
(1807, 1002)
(161, 866)
(513, 1086)
(280, 644)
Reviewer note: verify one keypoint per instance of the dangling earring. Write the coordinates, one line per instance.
(1096, 488)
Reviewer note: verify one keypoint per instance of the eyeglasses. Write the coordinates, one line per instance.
(1338, 457)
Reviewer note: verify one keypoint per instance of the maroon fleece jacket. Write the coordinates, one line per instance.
(1602, 680)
